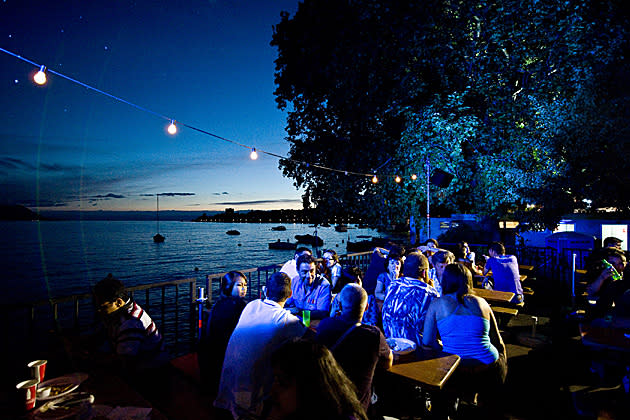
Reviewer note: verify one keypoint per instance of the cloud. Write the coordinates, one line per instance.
(221, 193)
(244, 203)
(13, 163)
(175, 194)
(107, 197)
(193, 205)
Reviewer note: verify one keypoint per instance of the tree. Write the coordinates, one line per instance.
(511, 97)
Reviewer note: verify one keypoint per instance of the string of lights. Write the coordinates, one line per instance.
(40, 78)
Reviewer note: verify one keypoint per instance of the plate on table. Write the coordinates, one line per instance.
(63, 385)
(401, 345)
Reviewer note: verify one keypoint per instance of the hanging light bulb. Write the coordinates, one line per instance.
(172, 128)
(414, 177)
(374, 179)
(397, 179)
(40, 76)
(254, 154)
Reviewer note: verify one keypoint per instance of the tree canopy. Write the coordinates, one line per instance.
(524, 102)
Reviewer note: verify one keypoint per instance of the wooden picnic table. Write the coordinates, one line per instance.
(430, 368)
(494, 296)
(603, 334)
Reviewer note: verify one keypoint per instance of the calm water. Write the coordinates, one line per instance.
(51, 259)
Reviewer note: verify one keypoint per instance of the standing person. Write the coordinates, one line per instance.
(311, 291)
(505, 275)
(308, 384)
(467, 327)
(264, 325)
(393, 264)
(408, 299)
(219, 327)
(290, 266)
(358, 348)
(332, 269)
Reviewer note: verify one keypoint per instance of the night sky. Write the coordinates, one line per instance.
(205, 63)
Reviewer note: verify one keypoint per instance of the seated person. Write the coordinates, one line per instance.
(609, 292)
(377, 266)
(290, 267)
(308, 384)
(264, 325)
(408, 299)
(332, 269)
(464, 255)
(219, 327)
(430, 247)
(505, 274)
(134, 337)
(440, 260)
(310, 290)
(393, 264)
(601, 274)
(467, 327)
(357, 347)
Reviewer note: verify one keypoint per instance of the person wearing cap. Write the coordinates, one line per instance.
(408, 300)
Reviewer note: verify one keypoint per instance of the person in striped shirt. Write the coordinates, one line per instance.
(133, 335)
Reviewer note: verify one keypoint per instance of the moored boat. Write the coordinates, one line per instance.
(280, 228)
(310, 240)
(233, 232)
(282, 245)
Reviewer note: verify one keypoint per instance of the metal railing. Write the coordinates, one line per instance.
(173, 305)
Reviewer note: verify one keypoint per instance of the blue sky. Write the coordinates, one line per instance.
(205, 63)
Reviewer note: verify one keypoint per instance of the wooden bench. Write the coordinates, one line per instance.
(503, 315)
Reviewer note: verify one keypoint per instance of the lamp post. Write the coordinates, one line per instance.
(428, 197)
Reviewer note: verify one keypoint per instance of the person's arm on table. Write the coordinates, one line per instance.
(322, 303)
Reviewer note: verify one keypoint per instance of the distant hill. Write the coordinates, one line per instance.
(15, 212)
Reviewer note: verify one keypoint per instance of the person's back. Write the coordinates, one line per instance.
(505, 273)
(464, 331)
(358, 348)
(407, 300)
(264, 325)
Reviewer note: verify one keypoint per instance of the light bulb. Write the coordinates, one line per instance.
(172, 128)
(254, 154)
(374, 179)
(40, 76)
(397, 179)
(414, 177)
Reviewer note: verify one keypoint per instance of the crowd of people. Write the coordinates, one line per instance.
(271, 357)
(261, 360)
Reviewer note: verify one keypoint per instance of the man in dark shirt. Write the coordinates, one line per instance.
(359, 349)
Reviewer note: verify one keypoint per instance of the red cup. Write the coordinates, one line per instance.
(28, 392)
(38, 369)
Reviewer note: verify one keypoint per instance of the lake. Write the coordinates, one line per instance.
(49, 259)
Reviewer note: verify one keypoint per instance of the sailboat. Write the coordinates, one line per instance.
(158, 238)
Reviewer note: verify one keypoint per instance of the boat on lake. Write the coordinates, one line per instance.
(157, 238)
(282, 245)
(233, 232)
(280, 228)
(341, 228)
(310, 240)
